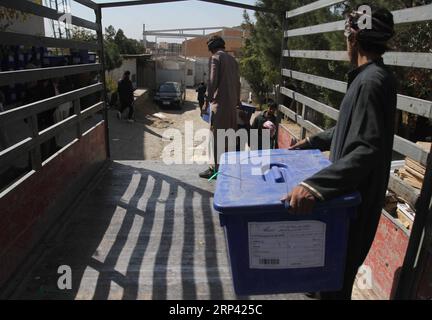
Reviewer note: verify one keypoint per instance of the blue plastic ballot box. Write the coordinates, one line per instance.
(207, 116)
(271, 250)
(248, 108)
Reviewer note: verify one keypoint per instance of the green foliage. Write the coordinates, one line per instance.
(83, 34)
(113, 59)
(115, 44)
(111, 84)
(126, 45)
(263, 49)
(268, 36)
(9, 16)
(110, 33)
(251, 66)
(414, 37)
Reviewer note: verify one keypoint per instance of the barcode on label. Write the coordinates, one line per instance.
(269, 261)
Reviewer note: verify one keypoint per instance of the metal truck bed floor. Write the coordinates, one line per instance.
(146, 231)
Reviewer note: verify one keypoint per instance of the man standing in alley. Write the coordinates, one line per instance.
(361, 142)
(201, 90)
(223, 94)
(126, 96)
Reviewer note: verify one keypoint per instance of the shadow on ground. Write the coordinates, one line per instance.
(129, 218)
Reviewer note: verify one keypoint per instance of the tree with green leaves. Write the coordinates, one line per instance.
(112, 57)
(82, 34)
(125, 45)
(251, 66)
(416, 82)
(9, 16)
(267, 40)
(115, 42)
(110, 33)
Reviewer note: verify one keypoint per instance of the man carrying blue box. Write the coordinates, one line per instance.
(361, 142)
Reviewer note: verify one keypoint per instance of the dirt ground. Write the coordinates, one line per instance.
(146, 138)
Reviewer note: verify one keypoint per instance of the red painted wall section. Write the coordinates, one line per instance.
(23, 216)
(386, 257)
(285, 139)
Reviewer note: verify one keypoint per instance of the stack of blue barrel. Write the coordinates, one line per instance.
(21, 57)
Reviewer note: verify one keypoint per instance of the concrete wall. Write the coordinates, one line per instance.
(245, 90)
(201, 70)
(146, 74)
(163, 75)
(128, 64)
(190, 73)
(142, 72)
(28, 211)
(173, 69)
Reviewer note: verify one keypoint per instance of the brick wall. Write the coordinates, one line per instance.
(197, 47)
(28, 211)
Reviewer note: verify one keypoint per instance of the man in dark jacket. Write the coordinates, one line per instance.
(201, 90)
(125, 91)
(261, 119)
(360, 144)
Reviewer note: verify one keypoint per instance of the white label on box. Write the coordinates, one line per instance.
(286, 244)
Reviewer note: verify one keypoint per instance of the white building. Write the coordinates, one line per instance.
(188, 71)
